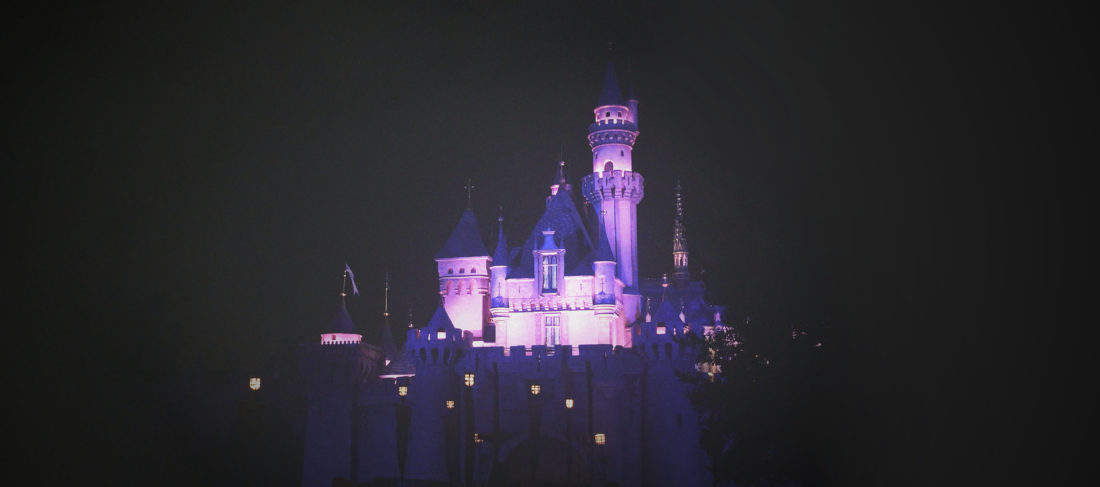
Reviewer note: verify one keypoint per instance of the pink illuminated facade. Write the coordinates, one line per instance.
(547, 362)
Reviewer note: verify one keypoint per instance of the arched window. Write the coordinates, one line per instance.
(462, 271)
(608, 166)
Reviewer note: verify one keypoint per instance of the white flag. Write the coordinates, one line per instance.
(354, 288)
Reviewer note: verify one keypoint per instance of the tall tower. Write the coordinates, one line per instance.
(680, 272)
(613, 188)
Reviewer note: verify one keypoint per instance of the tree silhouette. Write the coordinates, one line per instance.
(760, 403)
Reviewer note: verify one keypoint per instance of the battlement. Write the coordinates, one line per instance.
(612, 124)
(613, 184)
(666, 341)
(440, 346)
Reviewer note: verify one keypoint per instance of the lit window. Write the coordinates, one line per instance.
(468, 379)
(551, 327)
(549, 273)
(450, 404)
(441, 334)
(535, 389)
(402, 391)
(660, 328)
(568, 403)
(254, 383)
(478, 439)
(600, 439)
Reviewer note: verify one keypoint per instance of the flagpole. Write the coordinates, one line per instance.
(343, 288)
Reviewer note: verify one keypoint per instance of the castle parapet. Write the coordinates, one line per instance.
(613, 184)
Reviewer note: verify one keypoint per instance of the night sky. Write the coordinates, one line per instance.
(187, 181)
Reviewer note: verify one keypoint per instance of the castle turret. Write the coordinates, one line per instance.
(498, 303)
(463, 266)
(614, 188)
(334, 371)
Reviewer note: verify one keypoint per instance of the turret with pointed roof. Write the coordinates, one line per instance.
(465, 239)
(463, 268)
(612, 93)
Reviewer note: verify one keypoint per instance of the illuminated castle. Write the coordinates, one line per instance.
(549, 363)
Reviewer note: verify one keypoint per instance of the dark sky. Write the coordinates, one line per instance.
(188, 180)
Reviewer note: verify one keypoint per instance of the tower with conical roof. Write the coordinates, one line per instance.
(463, 267)
(335, 370)
(498, 303)
(613, 188)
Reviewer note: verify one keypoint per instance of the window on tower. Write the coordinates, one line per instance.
(549, 273)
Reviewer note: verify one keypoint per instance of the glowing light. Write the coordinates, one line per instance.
(254, 383)
(468, 379)
(450, 404)
(568, 403)
(402, 391)
(478, 439)
(600, 439)
(660, 328)
(441, 334)
(535, 389)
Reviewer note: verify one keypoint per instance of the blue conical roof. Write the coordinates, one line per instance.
(603, 248)
(611, 94)
(500, 256)
(440, 320)
(389, 346)
(341, 323)
(667, 314)
(465, 240)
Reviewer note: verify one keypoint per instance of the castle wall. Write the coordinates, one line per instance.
(631, 398)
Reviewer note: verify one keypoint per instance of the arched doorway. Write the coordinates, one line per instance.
(545, 462)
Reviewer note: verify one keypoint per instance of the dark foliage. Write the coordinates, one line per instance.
(761, 406)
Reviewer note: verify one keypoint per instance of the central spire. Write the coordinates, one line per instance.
(679, 242)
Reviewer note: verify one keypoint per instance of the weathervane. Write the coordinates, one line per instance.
(469, 193)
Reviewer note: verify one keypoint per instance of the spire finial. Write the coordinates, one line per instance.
(386, 306)
(500, 217)
(344, 288)
(411, 318)
(469, 193)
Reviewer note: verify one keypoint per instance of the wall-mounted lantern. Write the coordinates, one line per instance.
(568, 403)
(600, 439)
(402, 391)
(468, 379)
(535, 389)
(450, 404)
(254, 383)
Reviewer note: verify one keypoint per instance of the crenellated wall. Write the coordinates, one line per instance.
(633, 399)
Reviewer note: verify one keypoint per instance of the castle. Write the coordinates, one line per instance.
(547, 363)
